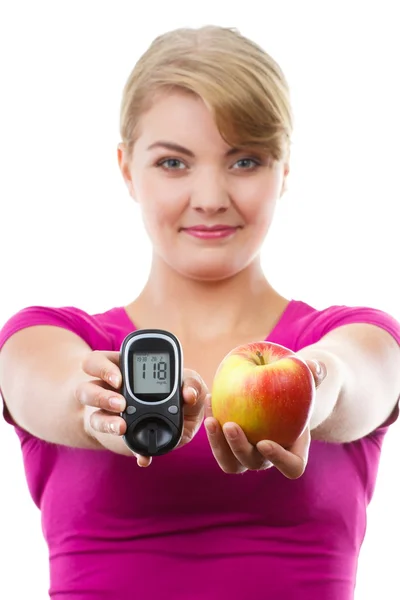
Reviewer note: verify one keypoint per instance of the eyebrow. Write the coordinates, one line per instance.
(178, 148)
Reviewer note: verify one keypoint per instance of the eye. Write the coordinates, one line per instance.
(171, 164)
(245, 164)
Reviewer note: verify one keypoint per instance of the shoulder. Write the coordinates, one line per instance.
(99, 330)
(310, 324)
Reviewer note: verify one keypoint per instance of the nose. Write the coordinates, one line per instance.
(210, 195)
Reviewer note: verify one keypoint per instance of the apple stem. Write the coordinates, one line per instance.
(260, 356)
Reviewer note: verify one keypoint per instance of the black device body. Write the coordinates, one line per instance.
(151, 363)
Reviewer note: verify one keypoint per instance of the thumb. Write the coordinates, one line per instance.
(194, 392)
(318, 369)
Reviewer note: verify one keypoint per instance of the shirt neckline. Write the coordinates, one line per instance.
(280, 323)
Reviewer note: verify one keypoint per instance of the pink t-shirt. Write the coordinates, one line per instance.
(183, 529)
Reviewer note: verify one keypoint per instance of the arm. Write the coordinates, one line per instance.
(40, 370)
(362, 385)
(59, 390)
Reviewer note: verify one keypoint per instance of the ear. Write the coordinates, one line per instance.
(286, 171)
(123, 162)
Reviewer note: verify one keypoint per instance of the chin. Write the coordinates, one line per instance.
(213, 270)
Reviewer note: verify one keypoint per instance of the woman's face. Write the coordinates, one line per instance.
(207, 207)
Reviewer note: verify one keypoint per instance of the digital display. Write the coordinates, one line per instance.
(151, 373)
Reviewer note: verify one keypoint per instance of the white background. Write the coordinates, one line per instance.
(70, 235)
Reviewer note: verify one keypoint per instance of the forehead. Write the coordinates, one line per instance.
(179, 117)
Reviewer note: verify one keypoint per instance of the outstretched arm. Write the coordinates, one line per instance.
(362, 385)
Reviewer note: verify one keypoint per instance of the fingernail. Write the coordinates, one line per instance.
(194, 392)
(114, 380)
(231, 432)
(210, 426)
(114, 428)
(116, 403)
(318, 369)
(265, 447)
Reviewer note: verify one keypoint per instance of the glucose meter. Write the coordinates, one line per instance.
(151, 363)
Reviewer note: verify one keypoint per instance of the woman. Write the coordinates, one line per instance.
(205, 127)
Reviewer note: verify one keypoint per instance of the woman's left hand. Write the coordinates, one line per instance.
(235, 454)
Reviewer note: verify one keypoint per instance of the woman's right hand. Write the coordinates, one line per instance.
(103, 403)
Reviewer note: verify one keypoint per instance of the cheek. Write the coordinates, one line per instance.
(258, 198)
(161, 200)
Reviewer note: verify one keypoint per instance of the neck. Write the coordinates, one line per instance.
(237, 304)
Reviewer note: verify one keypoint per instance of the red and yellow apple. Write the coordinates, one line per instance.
(267, 389)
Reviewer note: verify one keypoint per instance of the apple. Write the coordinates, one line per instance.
(267, 389)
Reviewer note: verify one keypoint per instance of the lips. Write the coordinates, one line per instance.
(213, 232)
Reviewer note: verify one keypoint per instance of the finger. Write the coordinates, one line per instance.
(94, 393)
(194, 392)
(103, 422)
(221, 449)
(105, 366)
(318, 369)
(190, 394)
(193, 410)
(291, 462)
(247, 454)
(143, 461)
(208, 406)
(193, 382)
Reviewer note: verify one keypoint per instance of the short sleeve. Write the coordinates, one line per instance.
(74, 319)
(322, 322)
(68, 317)
(317, 324)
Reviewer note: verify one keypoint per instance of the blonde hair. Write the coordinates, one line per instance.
(242, 85)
